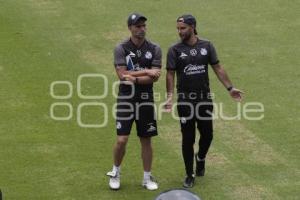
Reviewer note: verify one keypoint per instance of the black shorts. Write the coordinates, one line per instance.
(195, 112)
(140, 111)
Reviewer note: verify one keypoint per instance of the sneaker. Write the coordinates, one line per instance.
(114, 180)
(200, 166)
(189, 181)
(150, 184)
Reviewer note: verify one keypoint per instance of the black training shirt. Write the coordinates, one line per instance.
(191, 65)
(144, 57)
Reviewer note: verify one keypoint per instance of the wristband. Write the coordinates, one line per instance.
(230, 88)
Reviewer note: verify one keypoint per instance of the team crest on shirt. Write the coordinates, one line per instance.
(193, 52)
(148, 55)
(203, 52)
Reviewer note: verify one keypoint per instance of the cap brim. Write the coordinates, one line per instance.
(140, 18)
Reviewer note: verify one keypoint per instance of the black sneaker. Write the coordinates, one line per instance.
(200, 166)
(189, 181)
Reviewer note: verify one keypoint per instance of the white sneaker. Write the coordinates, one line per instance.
(114, 180)
(150, 184)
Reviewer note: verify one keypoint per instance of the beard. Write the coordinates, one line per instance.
(141, 35)
(185, 37)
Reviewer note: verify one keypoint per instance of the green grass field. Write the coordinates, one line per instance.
(42, 41)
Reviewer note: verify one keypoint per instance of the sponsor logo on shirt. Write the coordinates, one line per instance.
(194, 69)
(137, 67)
(131, 54)
(183, 55)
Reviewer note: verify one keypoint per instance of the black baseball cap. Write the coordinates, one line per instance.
(134, 18)
(188, 19)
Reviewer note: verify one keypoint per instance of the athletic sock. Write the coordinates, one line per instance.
(147, 175)
(116, 169)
